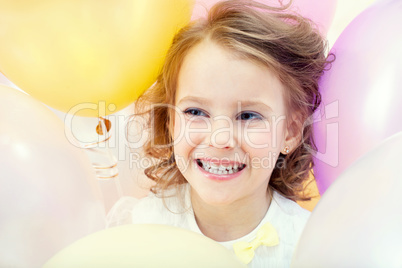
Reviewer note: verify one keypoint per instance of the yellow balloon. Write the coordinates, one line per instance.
(143, 245)
(87, 57)
(310, 190)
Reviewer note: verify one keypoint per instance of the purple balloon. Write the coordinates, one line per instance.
(362, 93)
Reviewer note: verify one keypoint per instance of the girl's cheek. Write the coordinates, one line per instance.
(177, 130)
(257, 140)
(196, 130)
(257, 135)
(265, 135)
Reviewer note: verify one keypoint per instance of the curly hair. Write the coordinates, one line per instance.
(285, 42)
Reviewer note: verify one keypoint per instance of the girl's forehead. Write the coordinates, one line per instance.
(211, 74)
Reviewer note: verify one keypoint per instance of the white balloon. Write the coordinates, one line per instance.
(358, 221)
(47, 186)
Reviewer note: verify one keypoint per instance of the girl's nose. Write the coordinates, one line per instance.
(222, 133)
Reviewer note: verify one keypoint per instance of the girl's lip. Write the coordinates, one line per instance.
(223, 162)
(219, 177)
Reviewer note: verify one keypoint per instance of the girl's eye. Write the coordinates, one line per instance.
(195, 112)
(249, 116)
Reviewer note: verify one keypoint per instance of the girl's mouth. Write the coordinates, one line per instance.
(220, 169)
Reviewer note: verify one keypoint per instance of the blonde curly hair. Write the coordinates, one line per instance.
(285, 42)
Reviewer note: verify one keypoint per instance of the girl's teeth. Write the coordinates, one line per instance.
(219, 170)
(213, 165)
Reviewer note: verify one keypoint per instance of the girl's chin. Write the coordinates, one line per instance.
(212, 198)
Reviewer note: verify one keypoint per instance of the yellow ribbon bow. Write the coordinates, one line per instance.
(266, 236)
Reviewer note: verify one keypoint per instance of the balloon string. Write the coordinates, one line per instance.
(95, 144)
(109, 170)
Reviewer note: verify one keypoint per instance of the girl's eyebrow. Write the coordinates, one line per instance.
(240, 104)
(254, 104)
(200, 100)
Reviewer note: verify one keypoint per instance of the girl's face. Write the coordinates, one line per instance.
(229, 125)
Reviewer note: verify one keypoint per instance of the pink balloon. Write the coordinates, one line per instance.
(357, 222)
(47, 186)
(320, 12)
(362, 93)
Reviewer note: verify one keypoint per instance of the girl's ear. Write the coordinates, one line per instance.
(293, 134)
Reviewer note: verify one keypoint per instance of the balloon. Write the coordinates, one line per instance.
(346, 11)
(357, 222)
(362, 92)
(144, 245)
(5, 81)
(310, 190)
(87, 57)
(48, 194)
(320, 12)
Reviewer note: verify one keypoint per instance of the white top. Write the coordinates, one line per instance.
(286, 216)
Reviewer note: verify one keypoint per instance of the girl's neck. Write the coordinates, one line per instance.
(229, 222)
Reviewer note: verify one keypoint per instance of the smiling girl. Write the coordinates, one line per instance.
(228, 119)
